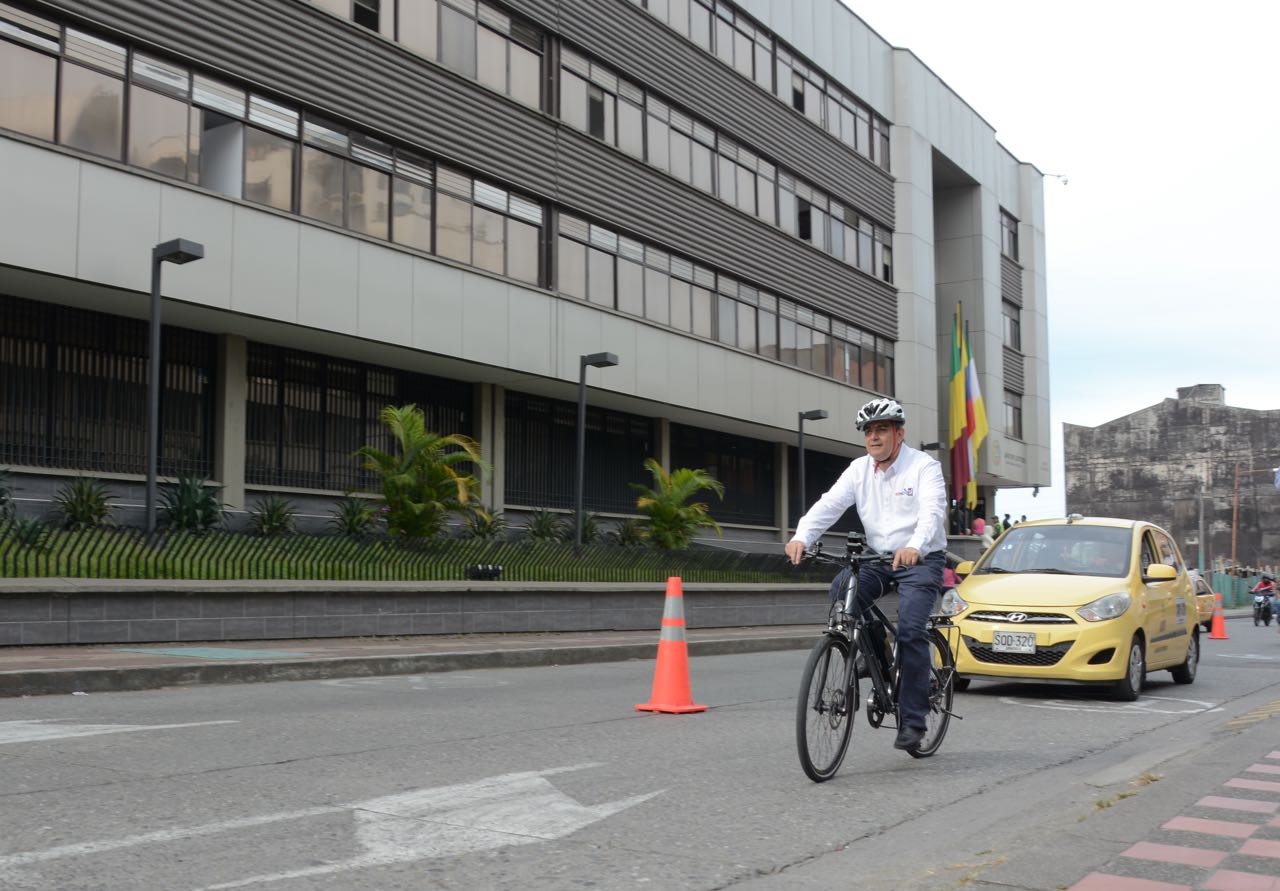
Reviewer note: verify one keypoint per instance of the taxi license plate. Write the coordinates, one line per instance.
(1013, 641)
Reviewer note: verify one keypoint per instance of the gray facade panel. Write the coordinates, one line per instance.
(294, 49)
(637, 45)
(1014, 378)
(1010, 281)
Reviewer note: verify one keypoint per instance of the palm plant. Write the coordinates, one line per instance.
(190, 504)
(628, 532)
(545, 525)
(353, 516)
(272, 516)
(483, 524)
(425, 478)
(672, 522)
(83, 503)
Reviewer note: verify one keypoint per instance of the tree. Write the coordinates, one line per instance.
(672, 522)
(425, 479)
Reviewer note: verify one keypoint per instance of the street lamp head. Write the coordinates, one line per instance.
(814, 414)
(178, 251)
(600, 360)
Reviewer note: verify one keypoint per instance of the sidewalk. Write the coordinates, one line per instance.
(38, 671)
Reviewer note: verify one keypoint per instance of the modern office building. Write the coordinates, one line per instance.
(761, 208)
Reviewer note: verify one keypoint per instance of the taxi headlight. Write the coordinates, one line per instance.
(1104, 608)
(952, 604)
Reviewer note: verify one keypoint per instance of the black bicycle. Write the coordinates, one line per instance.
(830, 690)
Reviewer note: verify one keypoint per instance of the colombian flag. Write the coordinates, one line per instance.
(968, 417)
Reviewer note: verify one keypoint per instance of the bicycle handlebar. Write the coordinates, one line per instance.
(853, 555)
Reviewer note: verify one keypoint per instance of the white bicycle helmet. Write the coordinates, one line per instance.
(880, 410)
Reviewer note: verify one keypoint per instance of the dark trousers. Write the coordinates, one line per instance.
(918, 589)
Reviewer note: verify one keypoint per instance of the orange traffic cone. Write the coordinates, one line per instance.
(1218, 626)
(671, 692)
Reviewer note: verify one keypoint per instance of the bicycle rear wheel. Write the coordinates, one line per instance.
(824, 711)
(942, 679)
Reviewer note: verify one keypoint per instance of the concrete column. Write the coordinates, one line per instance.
(491, 433)
(664, 443)
(229, 418)
(781, 493)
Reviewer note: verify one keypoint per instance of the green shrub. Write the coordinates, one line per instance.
(426, 478)
(545, 525)
(590, 528)
(628, 533)
(82, 503)
(272, 516)
(190, 504)
(6, 497)
(483, 524)
(355, 517)
(28, 532)
(672, 522)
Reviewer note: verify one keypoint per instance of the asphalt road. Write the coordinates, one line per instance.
(547, 778)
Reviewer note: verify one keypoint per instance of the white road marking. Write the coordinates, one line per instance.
(1147, 705)
(43, 731)
(513, 809)
(1253, 657)
(419, 681)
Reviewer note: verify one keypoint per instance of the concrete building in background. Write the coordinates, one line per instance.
(1189, 464)
(761, 208)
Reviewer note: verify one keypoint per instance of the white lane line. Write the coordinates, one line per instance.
(43, 731)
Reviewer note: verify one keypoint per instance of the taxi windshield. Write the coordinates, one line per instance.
(1074, 549)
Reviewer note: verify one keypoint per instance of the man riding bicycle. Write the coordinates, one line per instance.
(901, 497)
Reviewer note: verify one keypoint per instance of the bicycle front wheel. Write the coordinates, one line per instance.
(942, 681)
(824, 711)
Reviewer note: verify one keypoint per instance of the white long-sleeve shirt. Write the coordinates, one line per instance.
(904, 506)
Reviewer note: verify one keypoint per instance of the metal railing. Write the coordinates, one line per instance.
(29, 551)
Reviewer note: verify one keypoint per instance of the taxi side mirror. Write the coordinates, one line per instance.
(964, 568)
(1160, 572)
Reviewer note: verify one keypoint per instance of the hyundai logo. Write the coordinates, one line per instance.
(1016, 617)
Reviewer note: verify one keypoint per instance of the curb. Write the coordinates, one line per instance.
(112, 680)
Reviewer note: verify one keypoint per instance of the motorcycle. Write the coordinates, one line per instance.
(1261, 609)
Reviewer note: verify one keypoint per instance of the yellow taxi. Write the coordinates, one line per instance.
(1083, 600)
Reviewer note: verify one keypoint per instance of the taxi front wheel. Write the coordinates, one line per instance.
(1128, 687)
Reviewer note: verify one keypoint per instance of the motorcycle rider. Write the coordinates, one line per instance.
(1263, 596)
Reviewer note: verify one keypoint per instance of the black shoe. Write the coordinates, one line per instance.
(908, 739)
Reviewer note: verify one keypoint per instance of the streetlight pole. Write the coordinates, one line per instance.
(813, 414)
(177, 251)
(597, 360)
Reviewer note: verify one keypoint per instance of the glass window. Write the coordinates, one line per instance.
(1013, 414)
(703, 167)
(821, 360)
(27, 88)
(572, 268)
(787, 340)
(746, 327)
(681, 305)
(700, 25)
(788, 214)
(804, 346)
(600, 114)
(680, 156)
(724, 41)
(268, 169)
(411, 207)
(631, 129)
(702, 303)
(764, 191)
(746, 190)
(659, 143)
(488, 240)
(866, 261)
(158, 133)
(573, 99)
(767, 334)
(600, 277)
(458, 41)
(657, 296)
(727, 321)
(368, 196)
(1012, 326)
(453, 228)
(321, 195)
(491, 59)
(526, 75)
(418, 26)
(522, 251)
(743, 55)
(813, 102)
(764, 66)
(630, 287)
(92, 111)
(728, 181)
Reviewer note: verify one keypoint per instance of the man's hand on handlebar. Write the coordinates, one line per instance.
(794, 551)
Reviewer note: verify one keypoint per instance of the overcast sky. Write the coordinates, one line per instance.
(1163, 244)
